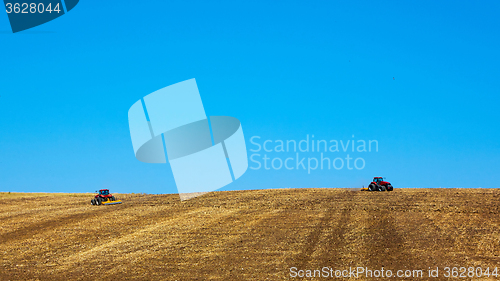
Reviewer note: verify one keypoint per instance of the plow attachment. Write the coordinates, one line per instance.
(112, 202)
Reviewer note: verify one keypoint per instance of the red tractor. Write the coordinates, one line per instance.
(378, 184)
(104, 198)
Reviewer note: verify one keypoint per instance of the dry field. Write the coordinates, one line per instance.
(247, 235)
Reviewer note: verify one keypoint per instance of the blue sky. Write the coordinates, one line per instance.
(419, 77)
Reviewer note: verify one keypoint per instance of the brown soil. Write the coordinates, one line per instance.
(248, 235)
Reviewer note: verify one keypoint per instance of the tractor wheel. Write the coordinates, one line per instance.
(389, 187)
(92, 202)
(372, 187)
(113, 198)
(99, 201)
(382, 188)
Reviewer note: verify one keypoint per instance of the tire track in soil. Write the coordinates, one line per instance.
(75, 268)
(386, 246)
(41, 227)
(335, 238)
(202, 233)
(335, 242)
(34, 229)
(20, 207)
(244, 239)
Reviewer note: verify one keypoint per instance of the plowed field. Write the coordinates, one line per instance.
(248, 235)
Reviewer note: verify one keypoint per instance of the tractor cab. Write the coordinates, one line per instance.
(104, 192)
(378, 180)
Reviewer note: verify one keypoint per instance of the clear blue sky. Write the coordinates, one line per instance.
(285, 69)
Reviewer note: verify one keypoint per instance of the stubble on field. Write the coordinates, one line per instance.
(246, 235)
